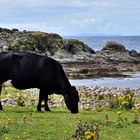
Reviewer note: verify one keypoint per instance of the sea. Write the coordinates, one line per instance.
(97, 43)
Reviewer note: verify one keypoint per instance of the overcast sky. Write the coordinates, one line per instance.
(69, 17)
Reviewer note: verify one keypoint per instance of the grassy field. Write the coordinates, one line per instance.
(25, 123)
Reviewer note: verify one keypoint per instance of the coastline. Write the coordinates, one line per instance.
(79, 60)
(132, 80)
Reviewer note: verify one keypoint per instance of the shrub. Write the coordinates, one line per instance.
(135, 110)
(126, 101)
(21, 99)
(87, 131)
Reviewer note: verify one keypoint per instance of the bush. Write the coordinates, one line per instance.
(126, 101)
(87, 131)
(21, 99)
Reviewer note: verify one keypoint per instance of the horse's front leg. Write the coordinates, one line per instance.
(43, 96)
(39, 101)
(1, 108)
(46, 103)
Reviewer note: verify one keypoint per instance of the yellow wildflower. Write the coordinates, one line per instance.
(25, 96)
(8, 119)
(93, 135)
(120, 98)
(135, 110)
(124, 102)
(18, 94)
(6, 138)
(22, 101)
(88, 137)
(87, 133)
(36, 98)
(123, 97)
(119, 112)
(129, 97)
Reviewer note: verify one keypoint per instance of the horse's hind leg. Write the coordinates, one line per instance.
(1, 108)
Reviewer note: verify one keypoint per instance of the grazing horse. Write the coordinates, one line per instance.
(28, 70)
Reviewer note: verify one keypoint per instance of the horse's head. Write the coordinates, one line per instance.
(72, 99)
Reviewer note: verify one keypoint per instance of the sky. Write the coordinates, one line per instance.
(72, 17)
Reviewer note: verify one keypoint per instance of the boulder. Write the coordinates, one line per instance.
(133, 53)
(74, 46)
(15, 30)
(114, 46)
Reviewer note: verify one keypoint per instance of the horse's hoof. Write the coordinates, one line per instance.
(47, 110)
(39, 110)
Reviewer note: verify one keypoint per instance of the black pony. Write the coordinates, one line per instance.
(27, 70)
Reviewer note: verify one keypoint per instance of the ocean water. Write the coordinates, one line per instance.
(98, 42)
(131, 82)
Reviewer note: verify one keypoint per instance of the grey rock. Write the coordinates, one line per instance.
(133, 53)
(75, 46)
(114, 46)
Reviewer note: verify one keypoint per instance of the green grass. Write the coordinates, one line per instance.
(25, 123)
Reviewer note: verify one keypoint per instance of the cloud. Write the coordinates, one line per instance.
(68, 16)
(107, 3)
(108, 25)
(34, 27)
(82, 23)
(48, 3)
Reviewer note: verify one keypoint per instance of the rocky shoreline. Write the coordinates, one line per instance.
(78, 59)
(90, 97)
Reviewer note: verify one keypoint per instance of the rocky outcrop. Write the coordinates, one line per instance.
(38, 42)
(134, 53)
(50, 44)
(75, 46)
(114, 46)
